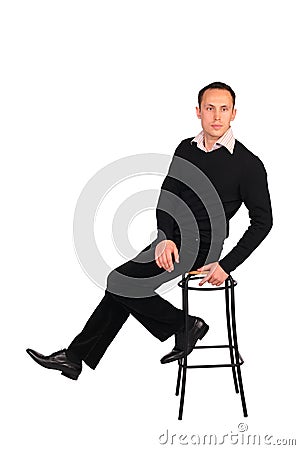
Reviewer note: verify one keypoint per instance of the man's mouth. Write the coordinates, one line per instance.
(217, 127)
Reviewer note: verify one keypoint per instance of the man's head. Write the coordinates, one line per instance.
(216, 85)
(216, 109)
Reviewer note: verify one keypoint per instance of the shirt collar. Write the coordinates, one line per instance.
(227, 141)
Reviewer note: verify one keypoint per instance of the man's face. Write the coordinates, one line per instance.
(216, 112)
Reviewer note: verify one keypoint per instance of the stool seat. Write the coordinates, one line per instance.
(198, 272)
(235, 358)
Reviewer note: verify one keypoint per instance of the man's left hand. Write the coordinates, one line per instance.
(216, 275)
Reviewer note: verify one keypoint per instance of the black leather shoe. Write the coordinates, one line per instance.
(59, 361)
(197, 331)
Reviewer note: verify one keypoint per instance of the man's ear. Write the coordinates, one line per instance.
(233, 114)
(198, 112)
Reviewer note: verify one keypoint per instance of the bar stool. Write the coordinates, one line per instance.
(235, 358)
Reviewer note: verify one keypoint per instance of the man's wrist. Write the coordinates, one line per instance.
(224, 266)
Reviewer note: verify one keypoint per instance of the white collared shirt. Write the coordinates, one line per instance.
(227, 141)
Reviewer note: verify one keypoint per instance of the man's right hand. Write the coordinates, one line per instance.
(163, 254)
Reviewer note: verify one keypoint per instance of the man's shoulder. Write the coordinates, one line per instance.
(241, 151)
(248, 160)
(187, 142)
(184, 145)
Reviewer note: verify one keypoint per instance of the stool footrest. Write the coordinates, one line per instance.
(204, 366)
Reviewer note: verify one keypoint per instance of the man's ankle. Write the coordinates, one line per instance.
(73, 357)
(191, 321)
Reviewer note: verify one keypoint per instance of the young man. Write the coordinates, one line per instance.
(237, 176)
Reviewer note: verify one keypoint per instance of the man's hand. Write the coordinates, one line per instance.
(163, 255)
(215, 276)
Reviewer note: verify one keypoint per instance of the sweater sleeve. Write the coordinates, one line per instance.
(167, 202)
(255, 195)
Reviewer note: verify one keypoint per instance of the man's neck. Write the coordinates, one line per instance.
(209, 142)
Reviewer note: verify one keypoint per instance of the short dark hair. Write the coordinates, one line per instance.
(216, 85)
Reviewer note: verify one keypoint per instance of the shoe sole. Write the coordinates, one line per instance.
(67, 373)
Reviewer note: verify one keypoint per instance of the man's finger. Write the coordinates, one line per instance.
(164, 261)
(203, 281)
(170, 261)
(207, 278)
(158, 253)
(176, 255)
(206, 267)
(160, 261)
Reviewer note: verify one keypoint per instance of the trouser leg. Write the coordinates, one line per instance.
(130, 289)
(99, 331)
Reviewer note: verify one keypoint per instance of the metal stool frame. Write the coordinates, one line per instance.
(235, 357)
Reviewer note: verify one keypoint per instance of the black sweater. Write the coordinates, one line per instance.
(237, 178)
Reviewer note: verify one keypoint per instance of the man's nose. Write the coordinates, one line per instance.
(217, 115)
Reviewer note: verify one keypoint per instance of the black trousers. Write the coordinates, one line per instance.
(156, 314)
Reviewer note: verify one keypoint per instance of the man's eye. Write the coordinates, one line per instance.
(225, 109)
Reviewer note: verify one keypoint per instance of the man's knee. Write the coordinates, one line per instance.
(119, 281)
(125, 285)
(111, 280)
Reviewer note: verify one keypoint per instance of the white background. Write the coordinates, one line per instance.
(83, 84)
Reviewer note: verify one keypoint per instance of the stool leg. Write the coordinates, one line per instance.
(236, 349)
(182, 392)
(178, 378)
(185, 310)
(229, 332)
(180, 361)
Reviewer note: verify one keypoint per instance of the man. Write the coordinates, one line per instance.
(237, 176)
